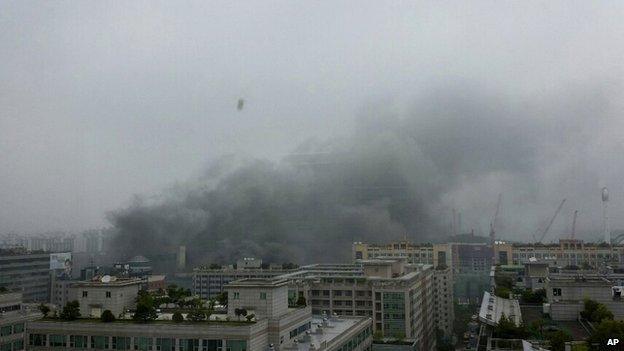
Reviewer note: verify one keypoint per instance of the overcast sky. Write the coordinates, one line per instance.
(100, 100)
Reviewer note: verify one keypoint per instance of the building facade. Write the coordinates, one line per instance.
(95, 297)
(444, 312)
(26, 273)
(13, 318)
(398, 297)
(208, 283)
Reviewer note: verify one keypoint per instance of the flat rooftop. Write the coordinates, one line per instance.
(113, 283)
(257, 283)
(320, 341)
(494, 307)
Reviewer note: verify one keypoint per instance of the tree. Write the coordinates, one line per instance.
(177, 317)
(507, 329)
(607, 329)
(301, 301)
(44, 309)
(196, 315)
(144, 312)
(222, 298)
(240, 312)
(558, 339)
(537, 296)
(107, 316)
(71, 311)
(595, 312)
(502, 291)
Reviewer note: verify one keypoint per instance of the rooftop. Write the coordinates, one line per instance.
(325, 332)
(494, 307)
(257, 282)
(109, 283)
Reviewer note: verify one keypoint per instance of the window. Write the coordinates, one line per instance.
(263, 296)
(189, 344)
(99, 342)
(18, 328)
(121, 343)
(57, 340)
(108, 294)
(236, 296)
(236, 345)
(556, 291)
(85, 294)
(6, 330)
(78, 341)
(143, 344)
(37, 339)
(212, 345)
(165, 344)
(18, 345)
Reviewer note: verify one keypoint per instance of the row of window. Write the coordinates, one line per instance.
(356, 341)
(17, 345)
(136, 343)
(12, 329)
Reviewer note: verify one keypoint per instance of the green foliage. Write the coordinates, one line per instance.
(222, 298)
(71, 311)
(558, 339)
(145, 310)
(196, 315)
(504, 281)
(537, 296)
(177, 294)
(240, 312)
(107, 316)
(595, 312)
(502, 291)
(177, 317)
(214, 266)
(44, 309)
(607, 329)
(507, 329)
(3, 289)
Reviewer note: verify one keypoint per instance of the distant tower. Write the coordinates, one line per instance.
(605, 216)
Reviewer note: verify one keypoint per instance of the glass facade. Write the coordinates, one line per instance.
(394, 314)
(236, 345)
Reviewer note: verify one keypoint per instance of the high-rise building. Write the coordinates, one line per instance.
(443, 299)
(27, 273)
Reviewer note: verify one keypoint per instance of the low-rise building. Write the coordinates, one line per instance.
(274, 327)
(108, 293)
(209, 282)
(13, 318)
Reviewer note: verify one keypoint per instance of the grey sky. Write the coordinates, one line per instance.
(103, 100)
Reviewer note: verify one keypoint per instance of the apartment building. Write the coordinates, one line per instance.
(209, 282)
(398, 297)
(444, 312)
(275, 326)
(13, 318)
(27, 273)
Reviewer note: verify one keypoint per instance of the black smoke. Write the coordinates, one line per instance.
(397, 175)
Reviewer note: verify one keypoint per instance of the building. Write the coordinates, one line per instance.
(398, 297)
(209, 282)
(13, 318)
(27, 273)
(567, 252)
(274, 326)
(566, 293)
(444, 311)
(114, 294)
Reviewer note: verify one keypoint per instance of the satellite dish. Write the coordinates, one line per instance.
(106, 279)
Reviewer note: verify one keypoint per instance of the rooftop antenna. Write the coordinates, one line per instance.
(605, 215)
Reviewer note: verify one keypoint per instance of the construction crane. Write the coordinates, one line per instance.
(543, 235)
(574, 224)
(493, 222)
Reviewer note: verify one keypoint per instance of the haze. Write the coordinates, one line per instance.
(100, 101)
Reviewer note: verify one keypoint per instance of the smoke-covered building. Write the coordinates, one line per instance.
(210, 282)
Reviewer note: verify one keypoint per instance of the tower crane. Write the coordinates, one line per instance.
(493, 222)
(574, 224)
(543, 235)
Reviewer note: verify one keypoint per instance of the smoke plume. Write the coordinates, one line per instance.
(397, 175)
